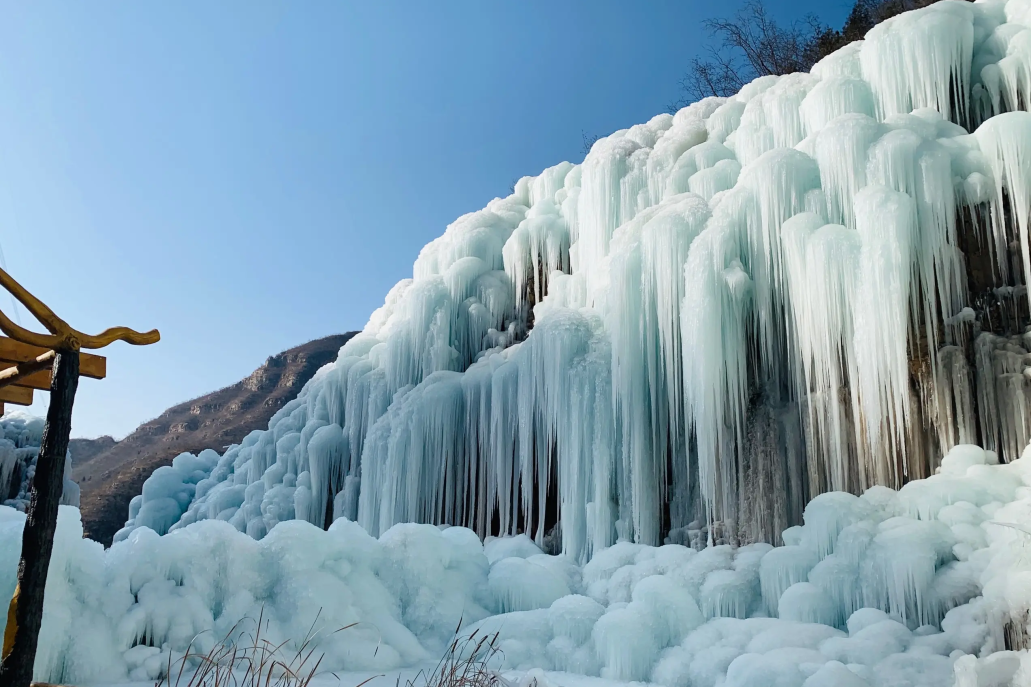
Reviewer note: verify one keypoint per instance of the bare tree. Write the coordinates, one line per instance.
(749, 45)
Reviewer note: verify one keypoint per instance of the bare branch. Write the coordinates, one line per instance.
(749, 45)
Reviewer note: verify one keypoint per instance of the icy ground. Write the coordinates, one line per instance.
(889, 588)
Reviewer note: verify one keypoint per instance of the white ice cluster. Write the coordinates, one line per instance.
(716, 317)
(20, 437)
(892, 588)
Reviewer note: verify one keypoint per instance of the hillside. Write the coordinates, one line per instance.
(111, 472)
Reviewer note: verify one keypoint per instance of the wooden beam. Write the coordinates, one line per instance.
(37, 380)
(18, 395)
(93, 366)
(15, 374)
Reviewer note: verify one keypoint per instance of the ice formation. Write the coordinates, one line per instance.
(20, 436)
(901, 588)
(817, 284)
(811, 290)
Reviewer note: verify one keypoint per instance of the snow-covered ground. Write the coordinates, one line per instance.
(888, 588)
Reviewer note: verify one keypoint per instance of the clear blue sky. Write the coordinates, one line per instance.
(246, 176)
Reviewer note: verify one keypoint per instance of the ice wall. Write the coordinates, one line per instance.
(719, 315)
(20, 437)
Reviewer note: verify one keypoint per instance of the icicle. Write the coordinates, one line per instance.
(823, 266)
(1006, 141)
(1003, 393)
(714, 319)
(697, 159)
(647, 287)
(772, 119)
(921, 59)
(958, 422)
(841, 151)
(8, 462)
(780, 569)
(327, 457)
(781, 184)
(833, 97)
(538, 247)
(886, 222)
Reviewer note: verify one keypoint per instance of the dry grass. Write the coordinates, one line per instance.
(250, 659)
(247, 659)
(465, 663)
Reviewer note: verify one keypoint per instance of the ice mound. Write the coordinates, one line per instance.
(906, 587)
(114, 615)
(881, 589)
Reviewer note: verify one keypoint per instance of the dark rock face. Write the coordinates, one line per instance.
(111, 472)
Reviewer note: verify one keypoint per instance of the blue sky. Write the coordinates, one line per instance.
(247, 176)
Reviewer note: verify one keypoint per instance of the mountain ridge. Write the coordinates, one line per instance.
(110, 472)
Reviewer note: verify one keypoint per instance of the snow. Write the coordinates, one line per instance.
(921, 582)
(626, 376)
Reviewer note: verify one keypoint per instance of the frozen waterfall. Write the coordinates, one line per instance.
(817, 284)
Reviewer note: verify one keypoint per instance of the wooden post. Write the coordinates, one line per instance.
(48, 482)
(41, 521)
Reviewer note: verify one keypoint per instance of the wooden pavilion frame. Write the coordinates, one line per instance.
(44, 361)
